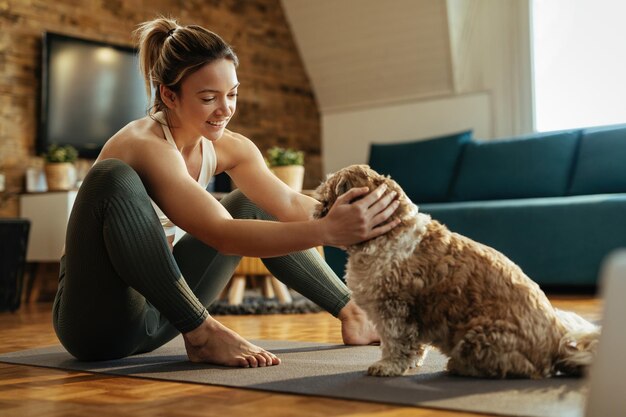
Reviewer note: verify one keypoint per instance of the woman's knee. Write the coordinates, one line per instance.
(241, 207)
(234, 199)
(113, 177)
(112, 170)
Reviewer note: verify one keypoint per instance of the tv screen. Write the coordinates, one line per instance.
(89, 91)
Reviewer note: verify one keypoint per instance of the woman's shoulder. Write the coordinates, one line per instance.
(139, 137)
(232, 148)
(234, 141)
(233, 137)
(140, 130)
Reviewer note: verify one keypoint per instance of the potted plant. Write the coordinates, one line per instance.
(287, 165)
(59, 167)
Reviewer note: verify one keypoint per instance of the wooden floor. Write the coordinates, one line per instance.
(32, 391)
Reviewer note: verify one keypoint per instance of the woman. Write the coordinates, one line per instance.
(124, 288)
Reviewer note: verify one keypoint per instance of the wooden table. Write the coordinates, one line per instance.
(250, 267)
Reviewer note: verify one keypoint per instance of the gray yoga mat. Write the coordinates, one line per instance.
(338, 371)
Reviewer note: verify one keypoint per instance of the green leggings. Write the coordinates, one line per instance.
(122, 291)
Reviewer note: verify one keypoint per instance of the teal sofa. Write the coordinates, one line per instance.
(554, 203)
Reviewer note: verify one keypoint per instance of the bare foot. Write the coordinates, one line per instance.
(212, 342)
(356, 329)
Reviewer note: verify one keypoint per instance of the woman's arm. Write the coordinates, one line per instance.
(189, 206)
(246, 166)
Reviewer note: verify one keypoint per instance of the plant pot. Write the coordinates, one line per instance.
(60, 176)
(292, 175)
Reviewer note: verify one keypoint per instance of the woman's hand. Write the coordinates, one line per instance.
(349, 222)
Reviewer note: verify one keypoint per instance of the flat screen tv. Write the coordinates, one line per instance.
(89, 90)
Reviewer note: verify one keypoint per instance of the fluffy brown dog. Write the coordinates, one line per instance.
(421, 285)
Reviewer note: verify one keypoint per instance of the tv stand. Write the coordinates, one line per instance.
(48, 213)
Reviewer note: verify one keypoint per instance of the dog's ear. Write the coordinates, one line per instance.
(342, 186)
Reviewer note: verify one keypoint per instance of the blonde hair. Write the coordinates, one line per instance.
(168, 52)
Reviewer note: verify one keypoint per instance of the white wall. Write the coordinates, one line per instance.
(412, 69)
(346, 136)
(368, 52)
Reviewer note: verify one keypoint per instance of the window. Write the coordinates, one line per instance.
(579, 63)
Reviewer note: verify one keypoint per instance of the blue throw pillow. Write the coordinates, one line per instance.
(423, 168)
(601, 163)
(522, 167)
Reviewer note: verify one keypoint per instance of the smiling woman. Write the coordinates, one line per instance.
(126, 286)
(210, 108)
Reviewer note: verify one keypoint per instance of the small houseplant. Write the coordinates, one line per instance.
(287, 165)
(59, 167)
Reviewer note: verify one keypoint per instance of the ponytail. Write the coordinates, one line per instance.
(168, 52)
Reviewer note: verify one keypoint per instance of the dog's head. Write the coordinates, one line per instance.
(355, 176)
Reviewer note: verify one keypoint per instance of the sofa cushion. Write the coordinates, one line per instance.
(601, 162)
(555, 240)
(424, 168)
(527, 166)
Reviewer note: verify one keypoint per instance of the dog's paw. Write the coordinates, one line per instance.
(417, 362)
(386, 368)
(420, 356)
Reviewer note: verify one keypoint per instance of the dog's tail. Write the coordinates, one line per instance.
(578, 345)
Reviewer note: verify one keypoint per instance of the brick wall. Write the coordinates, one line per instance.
(276, 103)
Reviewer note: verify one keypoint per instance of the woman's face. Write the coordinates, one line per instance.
(208, 99)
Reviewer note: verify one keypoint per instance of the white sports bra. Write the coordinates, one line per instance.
(207, 170)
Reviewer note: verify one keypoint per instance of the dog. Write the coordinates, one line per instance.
(422, 285)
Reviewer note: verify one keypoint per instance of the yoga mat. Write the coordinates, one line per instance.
(339, 371)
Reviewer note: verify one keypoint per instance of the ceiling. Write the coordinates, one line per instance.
(364, 53)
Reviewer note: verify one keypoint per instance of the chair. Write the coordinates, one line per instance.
(271, 287)
(249, 267)
(13, 245)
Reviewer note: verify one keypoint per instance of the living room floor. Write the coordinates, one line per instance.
(30, 391)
